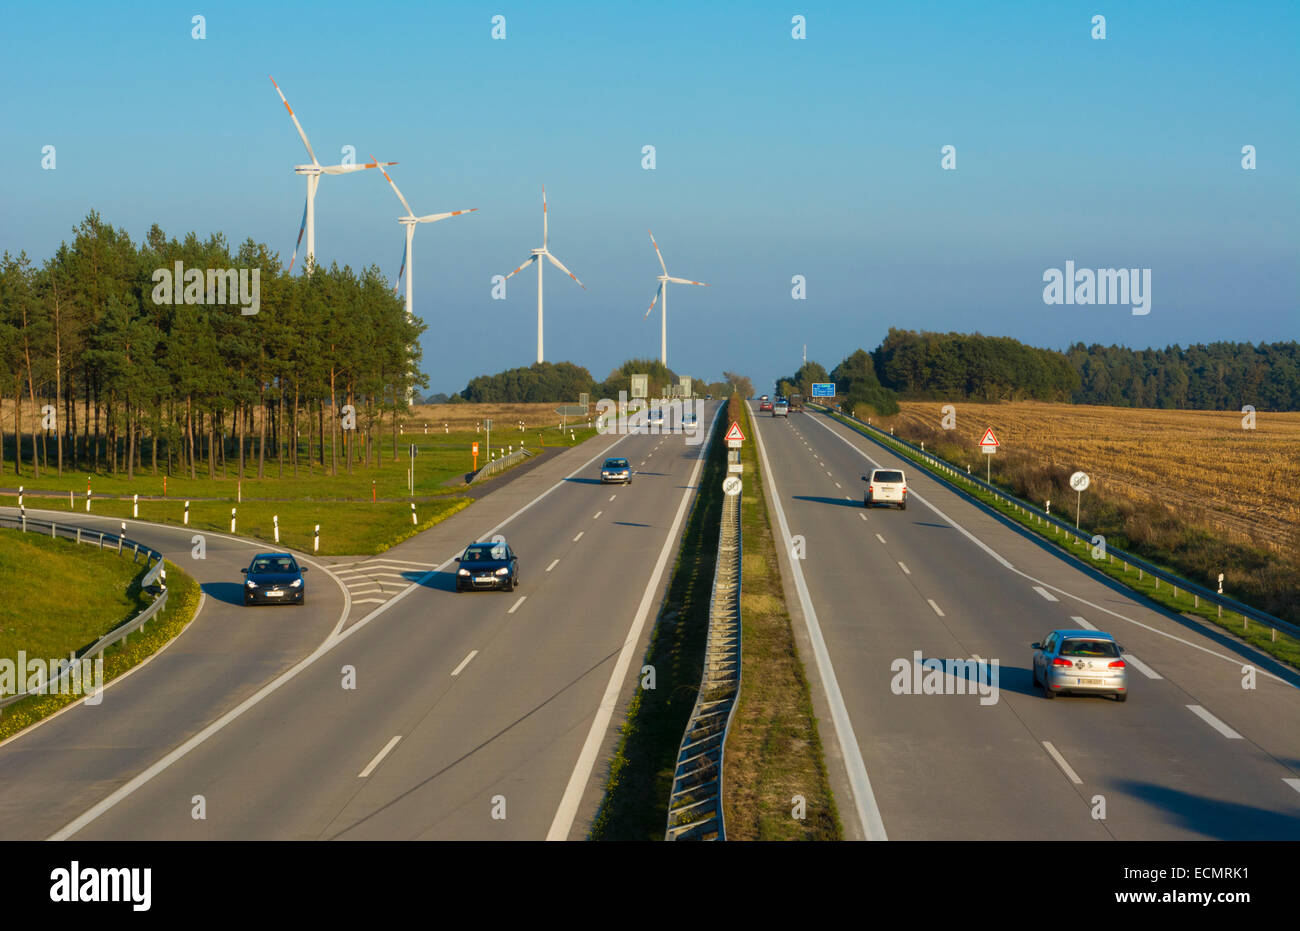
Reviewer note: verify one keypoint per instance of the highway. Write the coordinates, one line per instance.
(478, 715)
(1192, 754)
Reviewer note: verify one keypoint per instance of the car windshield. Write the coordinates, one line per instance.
(483, 552)
(274, 564)
(883, 476)
(1089, 648)
(616, 463)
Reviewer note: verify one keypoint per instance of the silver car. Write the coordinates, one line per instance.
(1080, 661)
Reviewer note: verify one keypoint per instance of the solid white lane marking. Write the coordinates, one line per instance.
(1081, 622)
(1141, 666)
(370, 767)
(937, 610)
(1214, 722)
(1293, 783)
(1235, 661)
(878, 536)
(596, 516)
(335, 638)
(903, 566)
(464, 662)
(515, 607)
(554, 563)
(1060, 761)
(1045, 593)
(864, 800)
(579, 536)
(567, 811)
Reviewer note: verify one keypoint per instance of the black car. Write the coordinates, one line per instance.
(616, 470)
(274, 578)
(487, 565)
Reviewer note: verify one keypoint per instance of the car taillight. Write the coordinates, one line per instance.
(1061, 662)
(871, 489)
(1118, 664)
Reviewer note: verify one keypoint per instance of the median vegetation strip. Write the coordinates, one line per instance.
(182, 602)
(1275, 643)
(774, 757)
(640, 779)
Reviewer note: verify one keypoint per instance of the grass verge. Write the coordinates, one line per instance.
(1275, 643)
(774, 751)
(182, 602)
(640, 778)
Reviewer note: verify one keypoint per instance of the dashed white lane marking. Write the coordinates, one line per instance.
(839, 486)
(1293, 783)
(579, 536)
(1214, 722)
(554, 563)
(464, 662)
(863, 516)
(937, 610)
(515, 607)
(612, 497)
(1045, 593)
(1141, 666)
(880, 538)
(596, 516)
(1060, 761)
(370, 767)
(1082, 623)
(903, 566)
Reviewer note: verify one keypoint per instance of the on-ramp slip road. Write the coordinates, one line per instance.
(442, 715)
(1192, 754)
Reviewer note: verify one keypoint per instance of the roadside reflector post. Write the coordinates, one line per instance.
(275, 519)
(315, 543)
(1220, 583)
(232, 520)
(20, 497)
(373, 499)
(413, 521)
(135, 505)
(186, 518)
(72, 502)
(119, 538)
(239, 492)
(87, 497)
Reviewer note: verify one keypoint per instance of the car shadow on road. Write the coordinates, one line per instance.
(842, 502)
(1215, 818)
(628, 523)
(585, 481)
(231, 593)
(440, 581)
(926, 523)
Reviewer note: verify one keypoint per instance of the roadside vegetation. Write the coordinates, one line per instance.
(774, 751)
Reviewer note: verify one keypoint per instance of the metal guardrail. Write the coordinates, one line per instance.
(119, 542)
(695, 805)
(500, 465)
(954, 477)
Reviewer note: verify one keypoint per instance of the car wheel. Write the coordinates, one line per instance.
(1047, 690)
(1121, 696)
(903, 506)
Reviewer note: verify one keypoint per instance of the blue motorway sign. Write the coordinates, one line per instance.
(823, 390)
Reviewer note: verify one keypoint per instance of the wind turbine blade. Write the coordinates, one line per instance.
(656, 300)
(658, 253)
(543, 216)
(295, 122)
(409, 211)
(434, 217)
(560, 265)
(687, 281)
(301, 230)
(398, 283)
(348, 169)
(521, 268)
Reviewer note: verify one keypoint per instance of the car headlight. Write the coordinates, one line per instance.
(463, 572)
(504, 570)
(251, 584)
(296, 583)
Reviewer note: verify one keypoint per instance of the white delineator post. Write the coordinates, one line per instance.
(276, 520)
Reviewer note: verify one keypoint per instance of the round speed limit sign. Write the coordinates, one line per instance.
(1079, 481)
(731, 485)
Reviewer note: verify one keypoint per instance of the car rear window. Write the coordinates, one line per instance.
(885, 476)
(1089, 648)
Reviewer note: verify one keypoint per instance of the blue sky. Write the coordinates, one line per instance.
(775, 157)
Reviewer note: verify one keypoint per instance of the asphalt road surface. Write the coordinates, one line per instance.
(1191, 754)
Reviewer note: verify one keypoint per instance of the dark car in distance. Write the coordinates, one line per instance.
(488, 565)
(274, 578)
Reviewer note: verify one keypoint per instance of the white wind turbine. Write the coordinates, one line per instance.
(537, 254)
(313, 174)
(410, 221)
(663, 293)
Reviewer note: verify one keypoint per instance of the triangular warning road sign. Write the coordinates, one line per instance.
(734, 433)
(989, 439)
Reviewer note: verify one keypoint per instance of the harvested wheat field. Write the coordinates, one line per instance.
(1201, 464)
(468, 416)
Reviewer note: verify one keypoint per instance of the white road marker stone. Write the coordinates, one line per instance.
(464, 662)
(1045, 593)
(370, 767)
(937, 610)
(515, 607)
(1060, 761)
(1214, 722)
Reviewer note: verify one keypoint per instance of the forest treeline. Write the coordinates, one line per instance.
(563, 382)
(104, 368)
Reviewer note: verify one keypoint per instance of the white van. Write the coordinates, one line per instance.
(885, 486)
